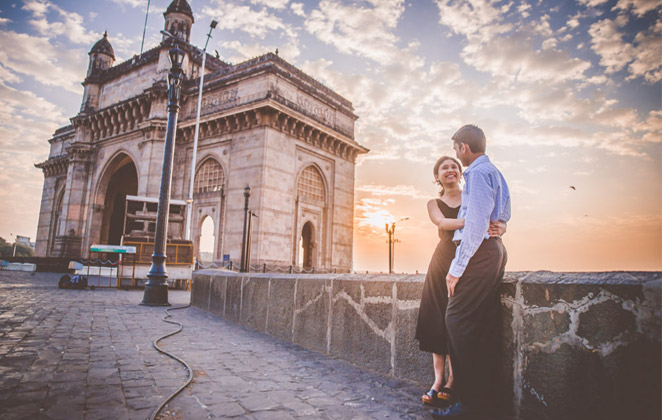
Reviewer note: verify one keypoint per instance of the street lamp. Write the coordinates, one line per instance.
(391, 243)
(156, 289)
(189, 202)
(245, 240)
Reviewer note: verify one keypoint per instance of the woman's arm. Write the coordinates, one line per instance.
(441, 221)
(496, 228)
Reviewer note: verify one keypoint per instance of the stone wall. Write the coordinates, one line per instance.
(575, 345)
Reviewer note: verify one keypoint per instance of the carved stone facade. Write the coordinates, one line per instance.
(264, 124)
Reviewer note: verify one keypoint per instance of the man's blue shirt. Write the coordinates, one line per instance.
(485, 197)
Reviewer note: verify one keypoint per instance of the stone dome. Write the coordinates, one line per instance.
(103, 46)
(179, 6)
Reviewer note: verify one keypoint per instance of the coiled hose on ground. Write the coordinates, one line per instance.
(188, 368)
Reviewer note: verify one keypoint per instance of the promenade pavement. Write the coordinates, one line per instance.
(83, 354)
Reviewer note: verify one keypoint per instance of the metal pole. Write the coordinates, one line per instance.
(144, 29)
(156, 289)
(247, 194)
(390, 248)
(194, 159)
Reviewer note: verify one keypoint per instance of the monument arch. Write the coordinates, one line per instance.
(264, 124)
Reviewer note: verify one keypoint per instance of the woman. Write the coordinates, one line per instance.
(431, 326)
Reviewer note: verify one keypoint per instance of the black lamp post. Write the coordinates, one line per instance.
(245, 241)
(391, 243)
(156, 289)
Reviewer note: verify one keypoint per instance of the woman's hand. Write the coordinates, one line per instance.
(496, 229)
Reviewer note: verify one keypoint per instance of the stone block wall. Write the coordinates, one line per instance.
(575, 345)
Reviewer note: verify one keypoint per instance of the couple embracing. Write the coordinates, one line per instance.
(460, 308)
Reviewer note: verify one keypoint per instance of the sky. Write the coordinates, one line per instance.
(568, 93)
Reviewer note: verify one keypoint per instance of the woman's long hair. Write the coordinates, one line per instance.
(436, 169)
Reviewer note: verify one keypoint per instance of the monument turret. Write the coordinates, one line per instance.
(179, 19)
(102, 57)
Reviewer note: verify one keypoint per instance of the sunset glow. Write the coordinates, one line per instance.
(568, 94)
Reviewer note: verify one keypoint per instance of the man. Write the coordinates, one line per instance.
(474, 307)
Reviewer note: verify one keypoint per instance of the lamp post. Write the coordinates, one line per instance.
(156, 289)
(189, 202)
(391, 243)
(244, 240)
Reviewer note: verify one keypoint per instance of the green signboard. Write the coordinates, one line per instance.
(115, 249)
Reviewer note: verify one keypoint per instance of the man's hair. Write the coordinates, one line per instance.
(472, 136)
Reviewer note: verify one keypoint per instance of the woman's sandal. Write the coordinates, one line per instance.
(442, 398)
(447, 395)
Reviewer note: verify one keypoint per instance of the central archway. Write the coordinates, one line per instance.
(123, 181)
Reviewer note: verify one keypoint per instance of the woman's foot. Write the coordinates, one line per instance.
(436, 398)
(446, 394)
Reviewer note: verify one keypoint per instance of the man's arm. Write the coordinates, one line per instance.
(477, 219)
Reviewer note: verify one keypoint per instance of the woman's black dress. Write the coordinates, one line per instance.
(431, 325)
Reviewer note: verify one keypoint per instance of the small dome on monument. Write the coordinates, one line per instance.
(180, 6)
(103, 46)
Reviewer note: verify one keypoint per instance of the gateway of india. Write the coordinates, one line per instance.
(264, 125)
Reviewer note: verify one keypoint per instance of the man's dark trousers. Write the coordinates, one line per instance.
(473, 320)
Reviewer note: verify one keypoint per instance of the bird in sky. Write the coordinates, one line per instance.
(573, 188)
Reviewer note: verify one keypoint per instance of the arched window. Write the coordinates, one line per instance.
(209, 178)
(207, 240)
(310, 187)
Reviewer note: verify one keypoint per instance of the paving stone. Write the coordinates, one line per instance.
(60, 365)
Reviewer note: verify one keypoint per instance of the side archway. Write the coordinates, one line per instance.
(310, 219)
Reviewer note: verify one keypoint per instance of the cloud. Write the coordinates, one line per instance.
(27, 121)
(592, 3)
(256, 23)
(639, 7)
(131, 3)
(358, 29)
(607, 42)
(51, 65)
(651, 127)
(641, 57)
(274, 4)
(646, 62)
(70, 25)
(247, 51)
(393, 190)
(474, 18)
(297, 9)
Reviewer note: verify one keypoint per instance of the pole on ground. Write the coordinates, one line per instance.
(156, 289)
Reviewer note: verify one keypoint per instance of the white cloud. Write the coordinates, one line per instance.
(391, 190)
(297, 9)
(592, 3)
(26, 123)
(639, 7)
(131, 3)
(70, 25)
(647, 63)
(274, 4)
(257, 23)
(515, 59)
(473, 18)
(50, 65)
(363, 31)
(607, 42)
(247, 51)
(651, 127)
(642, 57)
